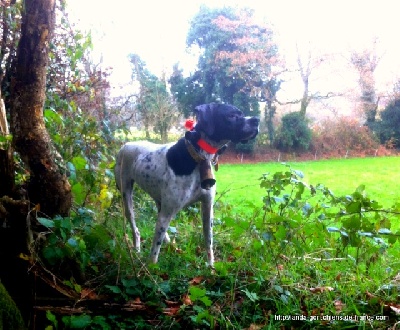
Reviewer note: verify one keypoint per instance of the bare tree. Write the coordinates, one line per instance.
(365, 62)
(306, 66)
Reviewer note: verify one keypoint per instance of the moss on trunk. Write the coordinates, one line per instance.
(10, 316)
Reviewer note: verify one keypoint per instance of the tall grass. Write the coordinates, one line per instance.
(287, 256)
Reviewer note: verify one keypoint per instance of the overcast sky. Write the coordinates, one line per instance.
(157, 30)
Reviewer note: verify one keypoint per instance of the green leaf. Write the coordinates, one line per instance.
(78, 193)
(72, 171)
(65, 223)
(221, 268)
(79, 162)
(80, 321)
(298, 173)
(278, 199)
(102, 322)
(72, 242)
(46, 222)
(82, 245)
(251, 295)
(366, 234)
(206, 301)
(5, 138)
(300, 190)
(78, 54)
(384, 231)
(196, 293)
(114, 289)
(77, 288)
(360, 189)
(353, 207)
(392, 239)
(353, 223)
(52, 115)
(257, 245)
(52, 254)
(284, 298)
(333, 229)
(280, 234)
(52, 318)
(379, 240)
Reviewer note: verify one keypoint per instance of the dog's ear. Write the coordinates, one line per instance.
(205, 122)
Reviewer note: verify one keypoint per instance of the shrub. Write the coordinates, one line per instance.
(294, 133)
(342, 135)
(245, 148)
(388, 128)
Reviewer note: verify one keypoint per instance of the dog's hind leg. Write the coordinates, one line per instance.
(125, 183)
(130, 214)
(207, 214)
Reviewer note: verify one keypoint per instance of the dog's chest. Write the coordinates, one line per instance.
(154, 175)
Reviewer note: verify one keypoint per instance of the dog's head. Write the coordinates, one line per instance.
(224, 122)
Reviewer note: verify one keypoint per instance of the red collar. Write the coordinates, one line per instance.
(207, 147)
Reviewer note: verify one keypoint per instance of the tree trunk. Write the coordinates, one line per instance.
(305, 100)
(47, 186)
(269, 113)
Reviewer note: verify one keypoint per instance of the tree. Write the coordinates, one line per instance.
(23, 75)
(188, 92)
(153, 103)
(365, 62)
(48, 186)
(72, 75)
(254, 59)
(208, 83)
(305, 68)
(307, 63)
(235, 65)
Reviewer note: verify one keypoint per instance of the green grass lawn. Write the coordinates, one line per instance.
(240, 182)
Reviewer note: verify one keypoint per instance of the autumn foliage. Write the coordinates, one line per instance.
(251, 52)
(341, 136)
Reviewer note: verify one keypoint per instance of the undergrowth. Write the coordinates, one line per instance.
(307, 259)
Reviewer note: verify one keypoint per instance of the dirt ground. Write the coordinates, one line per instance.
(273, 155)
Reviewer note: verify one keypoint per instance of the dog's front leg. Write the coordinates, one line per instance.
(207, 214)
(159, 236)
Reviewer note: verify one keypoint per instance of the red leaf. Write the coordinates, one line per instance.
(186, 300)
(196, 280)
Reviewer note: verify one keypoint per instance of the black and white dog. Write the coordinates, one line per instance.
(170, 173)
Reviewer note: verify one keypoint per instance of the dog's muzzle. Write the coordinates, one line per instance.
(250, 129)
